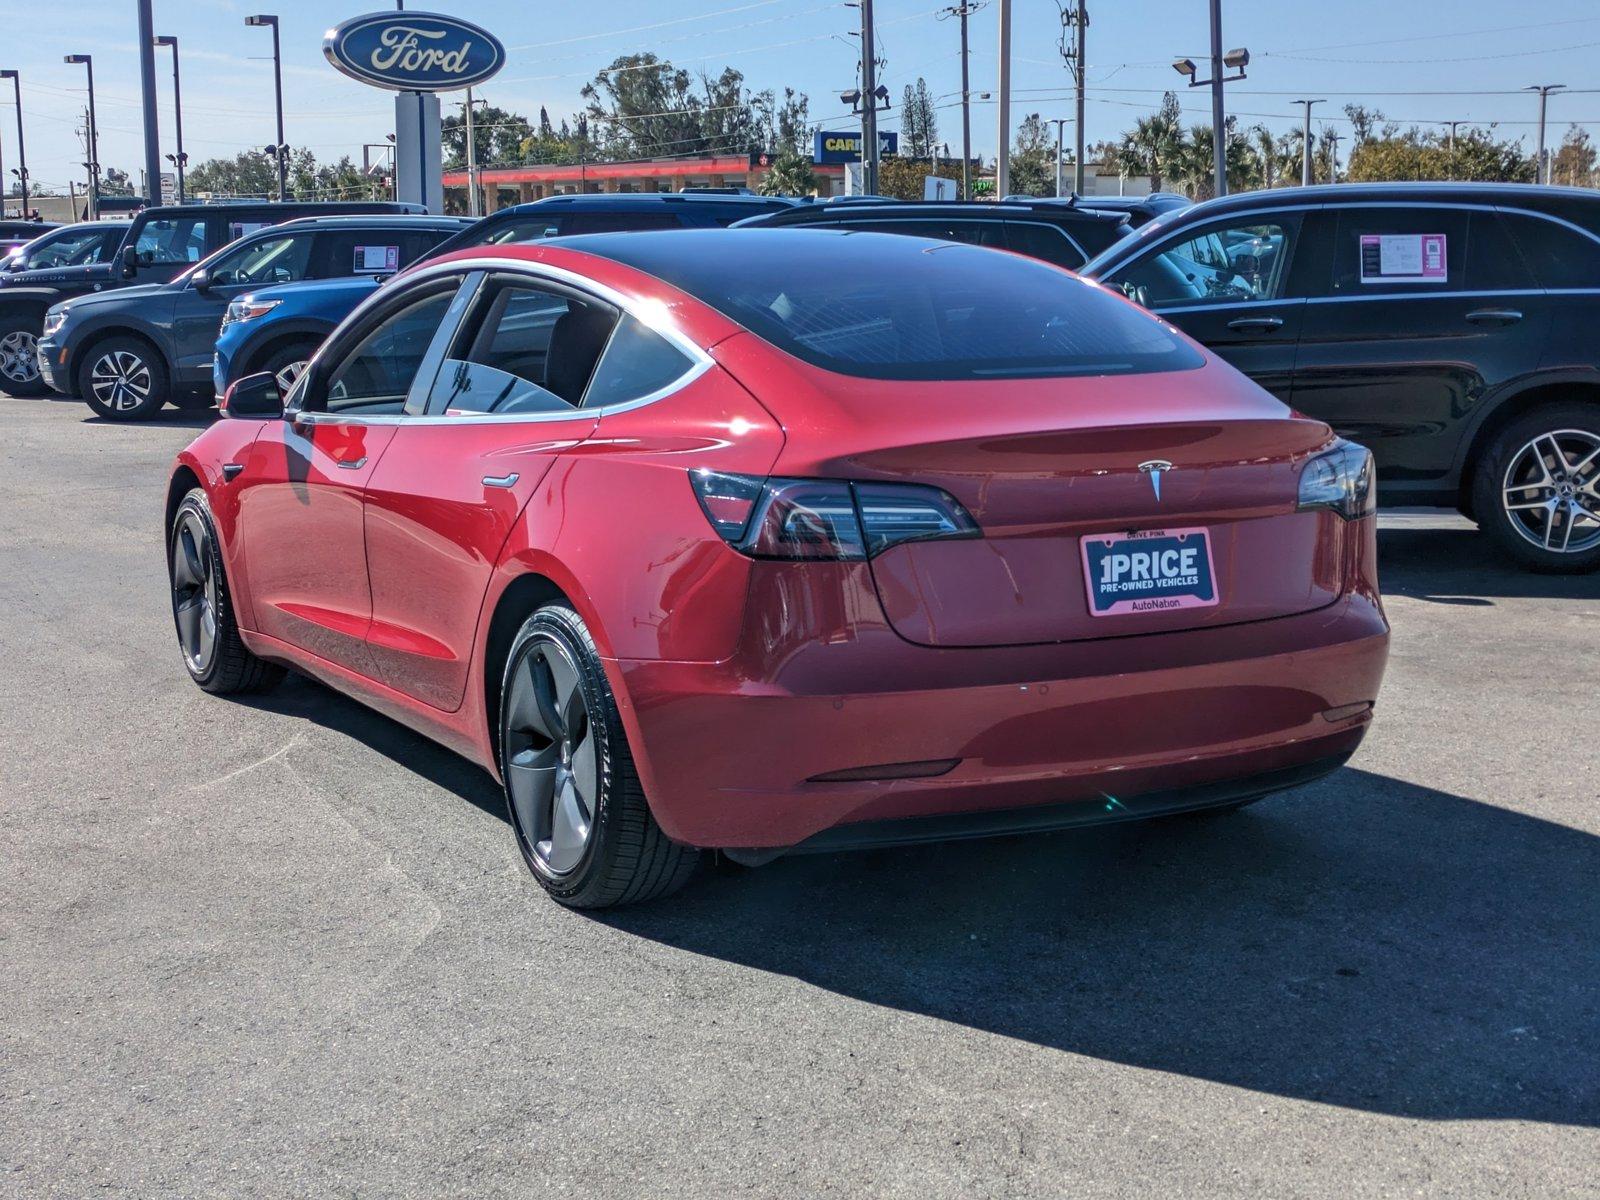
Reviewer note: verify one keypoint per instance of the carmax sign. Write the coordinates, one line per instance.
(845, 146)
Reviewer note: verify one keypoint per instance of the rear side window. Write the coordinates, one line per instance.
(165, 240)
(531, 350)
(889, 308)
(1385, 250)
(638, 361)
(1044, 242)
(973, 233)
(371, 251)
(620, 222)
(1560, 257)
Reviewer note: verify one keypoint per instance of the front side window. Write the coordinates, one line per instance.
(76, 249)
(282, 259)
(169, 240)
(1227, 264)
(374, 377)
(529, 350)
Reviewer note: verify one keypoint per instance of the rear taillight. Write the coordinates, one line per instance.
(825, 518)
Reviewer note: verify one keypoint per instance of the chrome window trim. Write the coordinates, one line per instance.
(700, 361)
(1336, 206)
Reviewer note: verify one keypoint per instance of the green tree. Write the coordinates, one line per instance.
(790, 175)
(1155, 144)
(919, 121)
(1033, 159)
(902, 177)
(497, 137)
(248, 173)
(1574, 162)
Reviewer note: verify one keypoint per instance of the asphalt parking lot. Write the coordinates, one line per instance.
(287, 948)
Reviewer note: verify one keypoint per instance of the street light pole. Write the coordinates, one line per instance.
(1076, 18)
(1305, 144)
(147, 99)
(1541, 172)
(1002, 158)
(869, 103)
(472, 159)
(1060, 123)
(281, 151)
(1219, 132)
(87, 60)
(180, 158)
(22, 148)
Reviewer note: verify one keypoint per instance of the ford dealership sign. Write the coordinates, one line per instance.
(414, 51)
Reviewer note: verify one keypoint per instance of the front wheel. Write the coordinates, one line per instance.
(1537, 490)
(123, 379)
(575, 802)
(202, 607)
(288, 363)
(19, 357)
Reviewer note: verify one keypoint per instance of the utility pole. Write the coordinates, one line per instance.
(472, 157)
(1002, 160)
(1060, 124)
(1219, 130)
(147, 96)
(869, 103)
(962, 12)
(1541, 168)
(1075, 24)
(1334, 138)
(22, 148)
(1305, 143)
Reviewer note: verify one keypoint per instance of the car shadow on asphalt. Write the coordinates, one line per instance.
(1361, 942)
(1462, 567)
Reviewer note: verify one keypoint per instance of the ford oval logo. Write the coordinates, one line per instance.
(414, 51)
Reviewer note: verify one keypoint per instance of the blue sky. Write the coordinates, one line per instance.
(1396, 56)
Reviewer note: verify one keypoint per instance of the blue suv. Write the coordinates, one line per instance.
(278, 329)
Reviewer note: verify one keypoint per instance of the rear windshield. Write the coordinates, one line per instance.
(889, 307)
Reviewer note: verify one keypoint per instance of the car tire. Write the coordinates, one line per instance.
(1536, 491)
(573, 797)
(202, 606)
(123, 379)
(287, 363)
(19, 358)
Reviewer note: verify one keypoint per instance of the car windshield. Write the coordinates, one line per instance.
(890, 307)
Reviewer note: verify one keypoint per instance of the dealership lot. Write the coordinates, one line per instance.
(287, 945)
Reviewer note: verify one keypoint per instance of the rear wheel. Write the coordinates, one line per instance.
(1537, 490)
(123, 379)
(19, 356)
(575, 802)
(202, 608)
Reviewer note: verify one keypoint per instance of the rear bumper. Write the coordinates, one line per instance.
(729, 752)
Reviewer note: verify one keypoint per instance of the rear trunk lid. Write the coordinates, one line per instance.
(1111, 478)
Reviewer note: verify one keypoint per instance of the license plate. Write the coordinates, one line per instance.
(1153, 570)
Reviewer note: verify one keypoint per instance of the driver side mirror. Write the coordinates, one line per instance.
(200, 281)
(130, 262)
(253, 398)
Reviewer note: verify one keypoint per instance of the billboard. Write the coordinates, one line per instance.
(844, 146)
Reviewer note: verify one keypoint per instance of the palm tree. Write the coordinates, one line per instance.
(1266, 149)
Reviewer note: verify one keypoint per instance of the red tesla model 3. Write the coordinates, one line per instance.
(760, 540)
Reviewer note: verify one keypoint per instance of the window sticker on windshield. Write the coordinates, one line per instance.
(238, 229)
(377, 258)
(1403, 258)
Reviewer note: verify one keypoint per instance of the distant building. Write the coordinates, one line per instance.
(534, 181)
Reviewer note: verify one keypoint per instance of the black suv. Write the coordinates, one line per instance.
(613, 212)
(161, 242)
(1062, 232)
(127, 352)
(1450, 327)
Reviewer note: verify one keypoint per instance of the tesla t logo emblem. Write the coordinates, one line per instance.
(1153, 468)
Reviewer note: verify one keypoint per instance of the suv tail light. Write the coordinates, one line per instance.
(831, 519)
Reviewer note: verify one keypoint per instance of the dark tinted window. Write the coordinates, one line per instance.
(375, 375)
(523, 227)
(637, 361)
(1560, 257)
(1494, 264)
(620, 222)
(1044, 242)
(1384, 250)
(896, 308)
(171, 240)
(528, 350)
(974, 233)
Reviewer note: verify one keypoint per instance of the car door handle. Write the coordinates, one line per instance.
(353, 464)
(500, 480)
(1494, 316)
(1256, 324)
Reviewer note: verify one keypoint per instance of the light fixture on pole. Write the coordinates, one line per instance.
(180, 159)
(21, 169)
(267, 19)
(1305, 143)
(1541, 170)
(1233, 60)
(93, 165)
